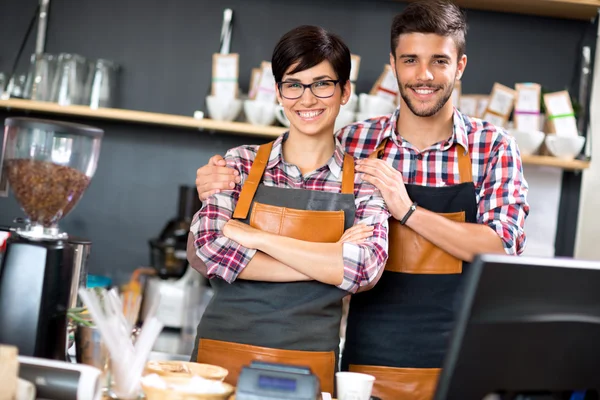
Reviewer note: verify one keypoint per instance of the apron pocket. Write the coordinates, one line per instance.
(234, 356)
(416, 255)
(308, 225)
(401, 383)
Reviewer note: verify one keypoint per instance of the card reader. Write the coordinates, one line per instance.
(262, 380)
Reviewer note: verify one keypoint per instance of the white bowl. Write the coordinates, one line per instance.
(566, 147)
(260, 112)
(343, 119)
(221, 109)
(528, 141)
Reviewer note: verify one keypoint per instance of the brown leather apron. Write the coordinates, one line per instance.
(399, 330)
(292, 323)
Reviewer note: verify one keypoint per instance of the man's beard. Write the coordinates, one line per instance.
(427, 112)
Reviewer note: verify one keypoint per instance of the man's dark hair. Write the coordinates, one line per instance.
(441, 17)
(309, 46)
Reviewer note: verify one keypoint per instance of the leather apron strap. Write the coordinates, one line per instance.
(258, 169)
(348, 175)
(254, 178)
(465, 168)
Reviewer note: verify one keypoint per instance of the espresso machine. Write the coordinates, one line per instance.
(48, 166)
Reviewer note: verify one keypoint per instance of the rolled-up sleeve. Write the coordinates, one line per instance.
(223, 257)
(363, 262)
(503, 196)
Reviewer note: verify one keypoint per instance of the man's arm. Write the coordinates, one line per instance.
(215, 177)
(502, 207)
(461, 239)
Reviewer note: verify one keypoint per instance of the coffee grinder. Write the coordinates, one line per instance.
(48, 165)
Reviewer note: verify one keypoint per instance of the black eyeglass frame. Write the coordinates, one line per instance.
(309, 85)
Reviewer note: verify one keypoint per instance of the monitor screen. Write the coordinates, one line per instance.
(526, 327)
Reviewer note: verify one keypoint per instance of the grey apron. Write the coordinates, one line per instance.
(280, 322)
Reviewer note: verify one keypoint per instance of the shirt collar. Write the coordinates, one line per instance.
(334, 164)
(459, 132)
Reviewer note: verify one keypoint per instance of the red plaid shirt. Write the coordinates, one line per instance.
(225, 258)
(497, 169)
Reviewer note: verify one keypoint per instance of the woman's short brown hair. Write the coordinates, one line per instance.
(308, 46)
(441, 17)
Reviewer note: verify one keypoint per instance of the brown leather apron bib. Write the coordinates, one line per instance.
(292, 323)
(398, 331)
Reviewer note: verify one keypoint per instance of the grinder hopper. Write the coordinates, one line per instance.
(48, 165)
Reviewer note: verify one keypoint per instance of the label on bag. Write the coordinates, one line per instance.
(225, 76)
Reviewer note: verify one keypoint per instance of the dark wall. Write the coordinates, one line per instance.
(165, 51)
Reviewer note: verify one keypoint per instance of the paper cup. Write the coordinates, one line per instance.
(354, 385)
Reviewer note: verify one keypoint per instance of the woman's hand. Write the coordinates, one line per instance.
(356, 234)
(243, 233)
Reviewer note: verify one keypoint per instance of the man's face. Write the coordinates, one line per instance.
(426, 66)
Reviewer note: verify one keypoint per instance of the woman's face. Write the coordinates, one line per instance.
(309, 114)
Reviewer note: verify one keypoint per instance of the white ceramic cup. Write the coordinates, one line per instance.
(352, 103)
(223, 109)
(259, 112)
(344, 118)
(354, 385)
(374, 106)
(281, 117)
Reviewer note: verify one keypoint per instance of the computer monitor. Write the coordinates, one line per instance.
(526, 326)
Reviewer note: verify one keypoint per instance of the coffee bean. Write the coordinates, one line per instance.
(46, 191)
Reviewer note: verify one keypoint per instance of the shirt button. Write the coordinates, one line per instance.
(419, 156)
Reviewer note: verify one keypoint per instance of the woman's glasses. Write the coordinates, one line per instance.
(295, 90)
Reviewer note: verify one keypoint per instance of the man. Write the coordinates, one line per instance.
(455, 188)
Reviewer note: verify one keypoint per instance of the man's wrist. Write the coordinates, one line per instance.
(407, 215)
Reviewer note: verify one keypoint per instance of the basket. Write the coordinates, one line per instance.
(185, 369)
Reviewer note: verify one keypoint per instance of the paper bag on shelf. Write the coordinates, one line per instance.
(354, 68)
(559, 114)
(254, 81)
(500, 105)
(386, 86)
(467, 104)
(225, 76)
(265, 90)
(456, 93)
(482, 103)
(9, 372)
(473, 105)
(527, 107)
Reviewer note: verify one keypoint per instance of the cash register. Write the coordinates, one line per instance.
(261, 380)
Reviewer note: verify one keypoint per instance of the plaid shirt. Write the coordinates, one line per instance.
(225, 258)
(496, 161)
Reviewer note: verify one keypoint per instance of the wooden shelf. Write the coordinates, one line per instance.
(143, 117)
(549, 161)
(180, 121)
(567, 9)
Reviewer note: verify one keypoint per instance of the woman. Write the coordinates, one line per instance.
(279, 249)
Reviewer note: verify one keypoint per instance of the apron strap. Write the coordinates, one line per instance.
(254, 178)
(348, 175)
(465, 169)
(378, 153)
